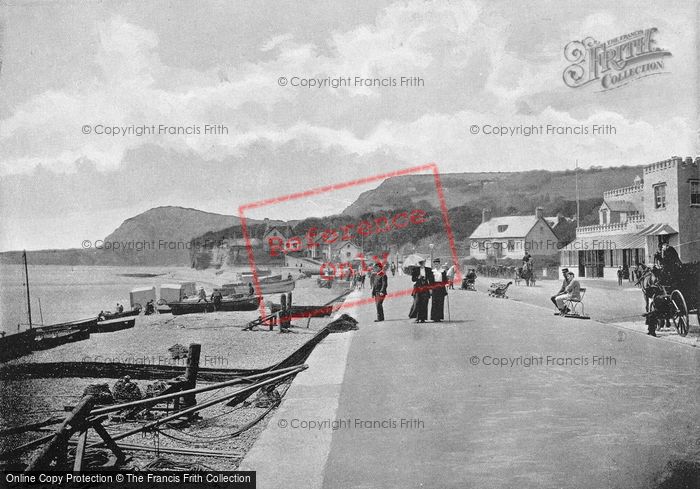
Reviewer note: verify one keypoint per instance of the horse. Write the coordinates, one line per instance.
(526, 273)
(649, 283)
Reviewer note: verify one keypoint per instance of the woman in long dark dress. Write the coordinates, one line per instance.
(437, 311)
(422, 277)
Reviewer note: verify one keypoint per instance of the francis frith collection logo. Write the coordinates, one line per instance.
(616, 62)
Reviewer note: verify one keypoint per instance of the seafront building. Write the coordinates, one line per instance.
(512, 236)
(663, 205)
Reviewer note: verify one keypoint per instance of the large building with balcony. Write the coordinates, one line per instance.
(664, 206)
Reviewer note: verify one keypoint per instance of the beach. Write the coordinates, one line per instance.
(224, 345)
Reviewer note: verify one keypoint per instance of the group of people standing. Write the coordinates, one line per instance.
(429, 283)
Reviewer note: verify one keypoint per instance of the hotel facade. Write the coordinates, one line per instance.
(661, 206)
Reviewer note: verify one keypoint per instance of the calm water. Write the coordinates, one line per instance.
(67, 293)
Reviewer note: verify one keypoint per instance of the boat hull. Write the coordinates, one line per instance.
(267, 287)
(113, 325)
(179, 308)
(16, 345)
(117, 315)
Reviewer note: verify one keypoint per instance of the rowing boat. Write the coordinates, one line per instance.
(267, 285)
(113, 325)
(249, 303)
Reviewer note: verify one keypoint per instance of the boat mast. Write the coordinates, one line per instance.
(578, 204)
(26, 279)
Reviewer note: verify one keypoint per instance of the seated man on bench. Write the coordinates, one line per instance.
(571, 292)
(562, 289)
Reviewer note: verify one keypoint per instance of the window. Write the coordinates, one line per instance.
(695, 192)
(502, 228)
(660, 196)
(482, 246)
(603, 216)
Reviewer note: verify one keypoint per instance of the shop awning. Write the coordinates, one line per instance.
(606, 242)
(657, 230)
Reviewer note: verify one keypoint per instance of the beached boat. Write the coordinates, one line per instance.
(16, 345)
(113, 325)
(268, 285)
(46, 337)
(108, 316)
(240, 303)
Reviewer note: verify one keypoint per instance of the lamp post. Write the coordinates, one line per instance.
(431, 246)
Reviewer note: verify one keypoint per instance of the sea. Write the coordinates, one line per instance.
(62, 293)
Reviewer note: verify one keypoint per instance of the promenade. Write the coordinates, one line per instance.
(503, 395)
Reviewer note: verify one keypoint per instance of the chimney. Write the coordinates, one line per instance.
(539, 213)
(485, 215)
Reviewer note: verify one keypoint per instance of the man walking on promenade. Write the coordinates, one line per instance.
(620, 273)
(381, 281)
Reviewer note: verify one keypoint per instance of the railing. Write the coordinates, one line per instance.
(633, 224)
(662, 165)
(623, 191)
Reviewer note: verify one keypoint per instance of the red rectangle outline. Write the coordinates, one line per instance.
(339, 186)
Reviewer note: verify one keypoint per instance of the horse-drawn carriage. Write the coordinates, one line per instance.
(671, 298)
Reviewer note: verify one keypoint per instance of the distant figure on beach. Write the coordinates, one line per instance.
(120, 308)
(202, 295)
(289, 277)
(251, 290)
(437, 311)
(216, 298)
(381, 282)
(422, 278)
(393, 268)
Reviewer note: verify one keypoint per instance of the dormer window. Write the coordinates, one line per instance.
(502, 228)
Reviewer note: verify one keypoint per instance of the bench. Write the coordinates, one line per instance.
(575, 304)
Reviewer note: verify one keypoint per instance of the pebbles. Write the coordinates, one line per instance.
(224, 346)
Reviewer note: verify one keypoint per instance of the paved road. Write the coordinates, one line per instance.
(613, 424)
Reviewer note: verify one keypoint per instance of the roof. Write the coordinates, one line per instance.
(606, 242)
(284, 229)
(657, 230)
(620, 206)
(506, 227)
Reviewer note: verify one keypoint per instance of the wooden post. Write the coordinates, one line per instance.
(73, 422)
(80, 452)
(191, 372)
(283, 312)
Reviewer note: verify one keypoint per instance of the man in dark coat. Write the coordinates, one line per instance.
(216, 298)
(381, 281)
(437, 311)
(423, 278)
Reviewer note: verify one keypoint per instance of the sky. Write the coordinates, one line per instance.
(71, 65)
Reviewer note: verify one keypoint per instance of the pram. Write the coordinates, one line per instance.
(499, 289)
(469, 283)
